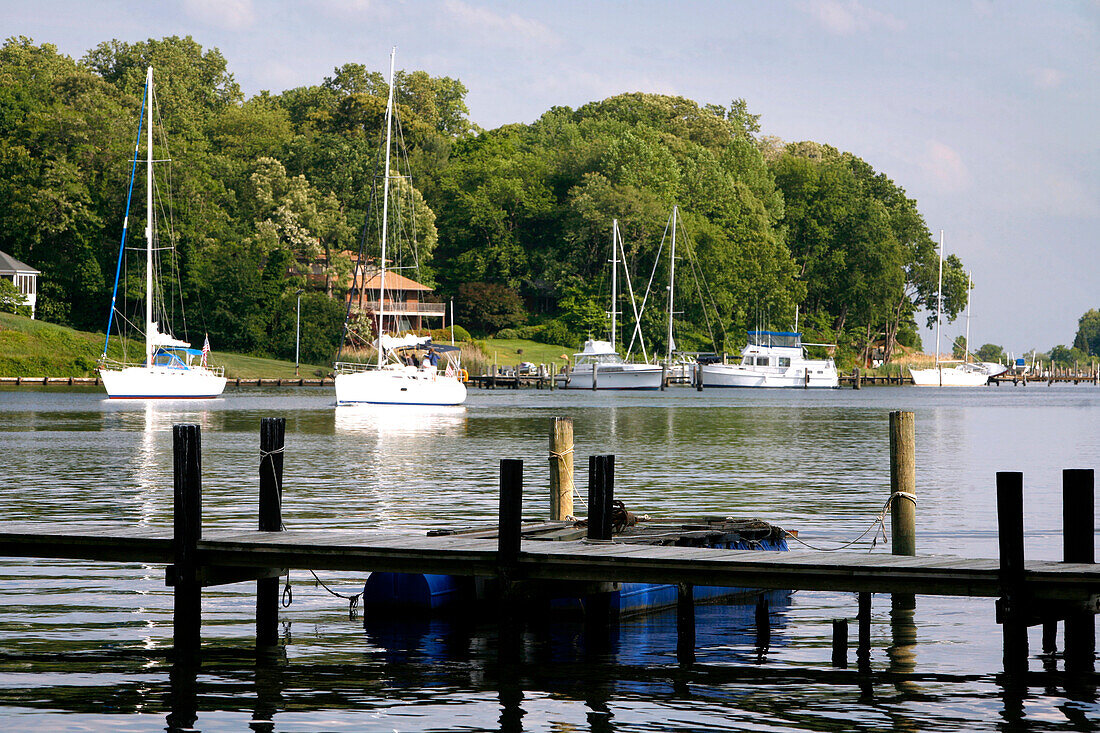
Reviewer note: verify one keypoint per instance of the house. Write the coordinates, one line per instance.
(405, 306)
(23, 277)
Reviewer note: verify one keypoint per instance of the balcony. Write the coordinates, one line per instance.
(407, 308)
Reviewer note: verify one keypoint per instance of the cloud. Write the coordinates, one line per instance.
(508, 29)
(945, 167)
(845, 17)
(1047, 78)
(227, 14)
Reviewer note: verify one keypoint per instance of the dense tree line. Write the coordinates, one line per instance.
(517, 220)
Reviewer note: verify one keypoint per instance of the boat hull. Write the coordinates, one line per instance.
(823, 376)
(613, 376)
(953, 377)
(152, 383)
(408, 386)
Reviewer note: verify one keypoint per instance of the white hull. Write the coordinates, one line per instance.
(613, 376)
(822, 375)
(949, 377)
(158, 383)
(399, 385)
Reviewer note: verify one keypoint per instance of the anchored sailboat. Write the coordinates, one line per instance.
(172, 369)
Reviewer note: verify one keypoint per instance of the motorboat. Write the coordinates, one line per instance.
(772, 359)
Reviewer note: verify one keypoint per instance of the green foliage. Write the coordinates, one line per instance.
(990, 352)
(1088, 333)
(11, 300)
(443, 335)
(488, 307)
(958, 348)
(1064, 356)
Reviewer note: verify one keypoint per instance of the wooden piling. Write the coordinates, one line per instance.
(1078, 546)
(595, 374)
(903, 483)
(561, 467)
(186, 532)
(840, 643)
(763, 624)
(863, 647)
(272, 439)
(855, 378)
(1010, 541)
(664, 376)
(601, 494)
(510, 516)
(699, 377)
(685, 623)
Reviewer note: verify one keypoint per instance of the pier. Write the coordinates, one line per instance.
(519, 553)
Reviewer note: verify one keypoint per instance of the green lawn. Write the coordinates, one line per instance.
(39, 349)
(512, 351)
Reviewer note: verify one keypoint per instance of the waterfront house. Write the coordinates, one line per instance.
(22, 276)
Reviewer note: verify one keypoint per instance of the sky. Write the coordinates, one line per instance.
(986, 113)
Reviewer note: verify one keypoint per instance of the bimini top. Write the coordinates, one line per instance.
(592, 347)
(786, 339)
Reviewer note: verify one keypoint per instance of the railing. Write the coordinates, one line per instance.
(405, 308)
(217, 371)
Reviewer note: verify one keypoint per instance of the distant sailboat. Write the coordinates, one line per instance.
(172, 369)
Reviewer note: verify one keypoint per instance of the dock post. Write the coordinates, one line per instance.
(1010, 541)
(561, 468)
(840, 643)
(763, 625)
(595, 373)
(186, 533)
(699, 377)
(863, 648)
(855, 379)
(1078, 545)
(601, 494)
(685, 624)
(903, 483)
(510, 518)
(664, 376)
(272, 438)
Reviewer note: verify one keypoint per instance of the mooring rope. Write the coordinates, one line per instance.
(878, 524)
(560, 456)
(288, 592)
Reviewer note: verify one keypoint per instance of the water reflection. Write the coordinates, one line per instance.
(429, 422)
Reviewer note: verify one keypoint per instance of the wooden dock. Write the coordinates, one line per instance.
(230, 381)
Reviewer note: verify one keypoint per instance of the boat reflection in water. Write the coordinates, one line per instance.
(429, 421)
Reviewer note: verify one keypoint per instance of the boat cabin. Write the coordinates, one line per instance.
(175, 358)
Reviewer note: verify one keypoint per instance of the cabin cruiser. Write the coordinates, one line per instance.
(601, 364)
(772, 359)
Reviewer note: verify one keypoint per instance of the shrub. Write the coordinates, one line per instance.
(489, 307)
(555, 333)
(443, 335)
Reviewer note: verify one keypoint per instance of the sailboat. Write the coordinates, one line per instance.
(599, 365)
(171, 369)
(393, 379)
(967, 374)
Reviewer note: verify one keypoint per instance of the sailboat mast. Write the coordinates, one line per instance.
(385, 210)
(671, 283)
(969, 284)
(149, 226)
(614, 274)
(939, 301)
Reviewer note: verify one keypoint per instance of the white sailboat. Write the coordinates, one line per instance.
(599, 363)
(966, 374)
(392, 380)
(172, 369)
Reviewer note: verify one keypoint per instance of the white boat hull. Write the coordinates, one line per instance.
(822, 376)
(949, 377)
(158, 383)
(399, 386)
(612, 376)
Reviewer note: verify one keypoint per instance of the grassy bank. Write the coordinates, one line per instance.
(39, 349)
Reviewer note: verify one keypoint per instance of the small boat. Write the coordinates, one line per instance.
(599, 365)
(421, 593)
(599, 362)
(172, 369)
(394, 378)
(772, 359)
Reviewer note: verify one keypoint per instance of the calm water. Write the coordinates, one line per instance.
(84, 646)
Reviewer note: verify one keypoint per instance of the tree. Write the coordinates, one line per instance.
(991, 352)
(958, 347)
(11, 300)
(486, 308)
(1088, 333)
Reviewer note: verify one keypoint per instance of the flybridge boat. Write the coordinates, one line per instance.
(772, 359)
(172, 369)
(599, 362)
(411, 375)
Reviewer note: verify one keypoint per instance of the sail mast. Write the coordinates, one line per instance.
(149, 227)
(671, 283)
(385, 211)
(969, 284)
(939, 301)
(614, 273)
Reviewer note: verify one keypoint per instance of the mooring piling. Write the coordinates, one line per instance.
(1078, 546)
(561, 468)
(903, 483)
(272, 441)
(1010, 542)
(186, 533)
(601, 495)
(685, 623)
(840, 643)
(510, 515)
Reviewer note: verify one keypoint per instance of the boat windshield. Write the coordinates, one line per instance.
(598, 359)
(175, 358)
(786, 339)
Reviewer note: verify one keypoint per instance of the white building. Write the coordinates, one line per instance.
(23, 276)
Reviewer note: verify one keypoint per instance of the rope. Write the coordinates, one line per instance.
(288, 592)
(878, 524)
(561, 457)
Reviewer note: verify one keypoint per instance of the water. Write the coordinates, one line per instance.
(84, 646)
